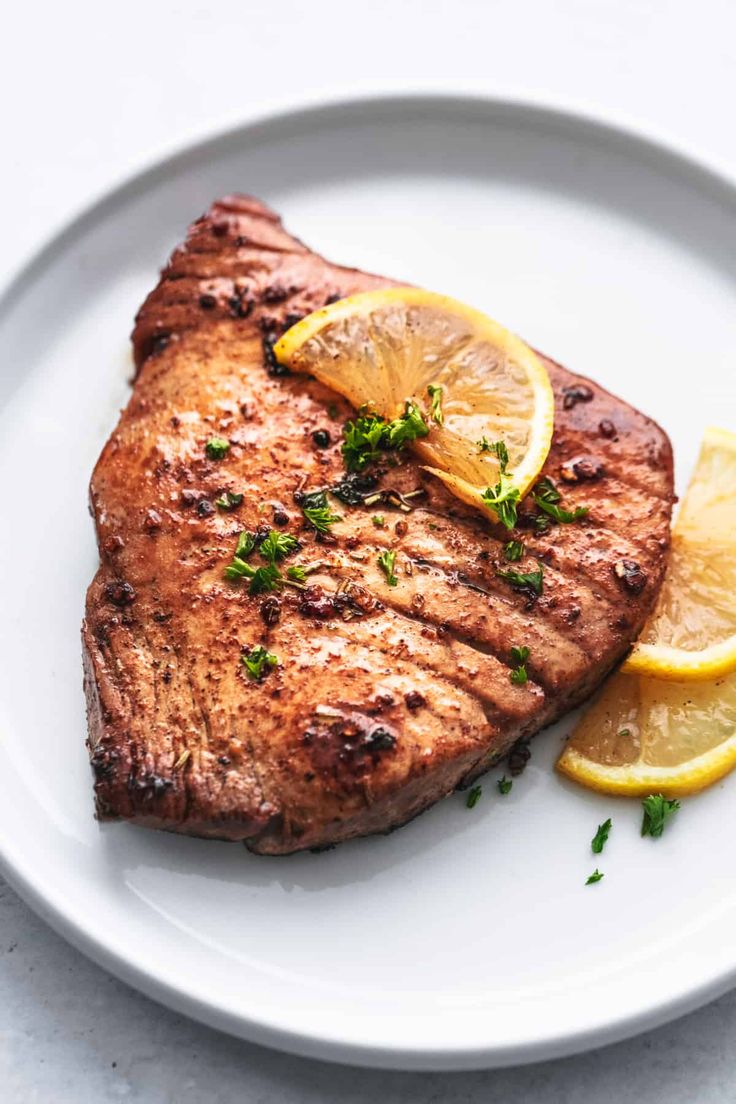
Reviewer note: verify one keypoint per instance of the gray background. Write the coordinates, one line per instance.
(91, 91)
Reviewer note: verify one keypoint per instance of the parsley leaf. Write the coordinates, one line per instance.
(519, 656)
(504, 785)
(386, 562)
(435, 413)
(599, 839)
(407, 428)
(503, 499)
(500, 450)
(379, 521)
(547, 498)
(473, 797)
(217, 447)
(524, 580)
(265, 579)
(275, 546)
(239, 569)
(594, 877)
(258, 661)
(246, 544)
(484, 445)
(228, 500)
(362, 440)
(262, 579)
(657, 811)
(297, 574)
(513, 551)
(318, 513)
(370, 433)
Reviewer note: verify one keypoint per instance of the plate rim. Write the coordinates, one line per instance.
(326, 109)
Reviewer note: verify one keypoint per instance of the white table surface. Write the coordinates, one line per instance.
(90, 91)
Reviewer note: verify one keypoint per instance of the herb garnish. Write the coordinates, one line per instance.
(370, 433)
(473, 797)
(599, 839)
(504, 785)
(228, 500)
(503, 499)
(317, 511)
(524, 580)
(513, 551)
(435, 413)
(594, 877)
(258, 661)
(657, 812)
(265, 579)
(273, 548)
(519, 656)
(386, 562)
(379, 521)
(297, 574)
(217, 447)
(484, 445)
(276, 546)
(547, 498)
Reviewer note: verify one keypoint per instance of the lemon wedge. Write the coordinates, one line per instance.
(476, 383)
(692, 633)
(646, 736)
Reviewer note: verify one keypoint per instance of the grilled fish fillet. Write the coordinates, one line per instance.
(385, 699)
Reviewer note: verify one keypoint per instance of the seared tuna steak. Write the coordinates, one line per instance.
(384, 698)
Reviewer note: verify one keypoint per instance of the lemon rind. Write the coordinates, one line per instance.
(640, 779)
(669, 664)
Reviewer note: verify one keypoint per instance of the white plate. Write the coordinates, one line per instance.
(467, 938)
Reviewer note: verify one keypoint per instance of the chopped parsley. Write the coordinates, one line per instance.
(504, 785)
(370, 434)
(547, 498)
(503, 499)
(594, 877)
(363, 438)
(524, 580)
(484, 445)
(387, 562)
(498, 448)
(473, 797)
(316, 510)
(276, 546)
(435, 413)
(513, 551)
(519, 656)
(297, 574)
(258, 661)
(228, 500)
(273, 547)
(217, 447)
(657, 812)
(599, 839)
(379, 521)
(408, 427)
(265, 579)
(246, 544)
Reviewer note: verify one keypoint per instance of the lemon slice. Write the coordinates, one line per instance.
(383, 348)
(646, 736)
(692, 633)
